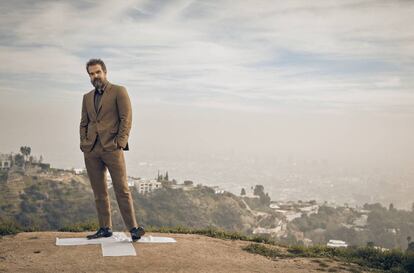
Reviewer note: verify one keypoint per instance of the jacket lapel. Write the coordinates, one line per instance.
(91, 104)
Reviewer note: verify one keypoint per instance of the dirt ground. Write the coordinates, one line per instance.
(36, 252)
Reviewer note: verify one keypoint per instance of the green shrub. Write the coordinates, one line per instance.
(392, 260)
(80, 227)
(7, 228)
(408, 263)
(265, 251)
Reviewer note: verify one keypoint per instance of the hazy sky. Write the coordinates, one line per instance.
(316, 79)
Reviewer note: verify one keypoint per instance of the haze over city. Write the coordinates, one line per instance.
(313, 100)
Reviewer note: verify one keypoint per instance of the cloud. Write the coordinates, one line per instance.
(259, 55)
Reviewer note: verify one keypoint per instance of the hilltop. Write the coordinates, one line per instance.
(36, 252)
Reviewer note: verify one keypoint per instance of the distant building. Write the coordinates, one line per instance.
(362, 221)
(79, 170)
(184, 187)
(274, 206)
(310, 209)
(391, 230)
(42, 166)
(218, 190)
(146, 186)
(5, 162)
(381, 248)
(250, 193)
(290, 214)
(336, 243)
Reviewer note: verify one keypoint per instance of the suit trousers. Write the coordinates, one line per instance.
(97, 162)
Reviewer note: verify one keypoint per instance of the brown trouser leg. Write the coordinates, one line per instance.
(97, 161)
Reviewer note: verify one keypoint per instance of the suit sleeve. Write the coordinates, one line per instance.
(83, 127)
(125, 116)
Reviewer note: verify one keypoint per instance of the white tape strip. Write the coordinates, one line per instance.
(117, 245)
(150, 239)
(124, 248)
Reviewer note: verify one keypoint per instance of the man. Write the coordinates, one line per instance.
(104, 130)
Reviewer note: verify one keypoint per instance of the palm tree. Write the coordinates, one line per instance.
(25, 150)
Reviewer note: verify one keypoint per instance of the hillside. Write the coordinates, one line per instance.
(50, 202)
(57, 199)
(36, 252)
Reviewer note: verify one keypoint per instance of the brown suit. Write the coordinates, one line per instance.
(101, 132)
(112, 121)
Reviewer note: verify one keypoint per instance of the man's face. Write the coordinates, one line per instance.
(97, 75)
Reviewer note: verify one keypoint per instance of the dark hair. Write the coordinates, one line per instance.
(95, 62)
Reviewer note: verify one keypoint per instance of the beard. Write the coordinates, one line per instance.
(97, 83)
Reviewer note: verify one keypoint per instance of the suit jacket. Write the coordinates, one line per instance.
(112, 121)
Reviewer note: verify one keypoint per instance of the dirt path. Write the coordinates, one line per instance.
(36, 252)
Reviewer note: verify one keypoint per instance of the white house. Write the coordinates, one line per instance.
(145, 186)
(337, 243)
(184, 187)
(310, 209)
(217, 190)
(274, 206)
(79, 170)
(362, 221)
(250, 193)
(5, 162)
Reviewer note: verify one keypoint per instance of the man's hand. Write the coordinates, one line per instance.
(83, 126)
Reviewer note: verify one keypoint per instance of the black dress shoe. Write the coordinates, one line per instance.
(136, 233)
(102, 232)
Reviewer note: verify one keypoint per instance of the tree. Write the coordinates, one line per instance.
(243, 192)
(19, 160)
(25, 150)
(259, 190)
(391, 207)
(264, 197)
(166, 176)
